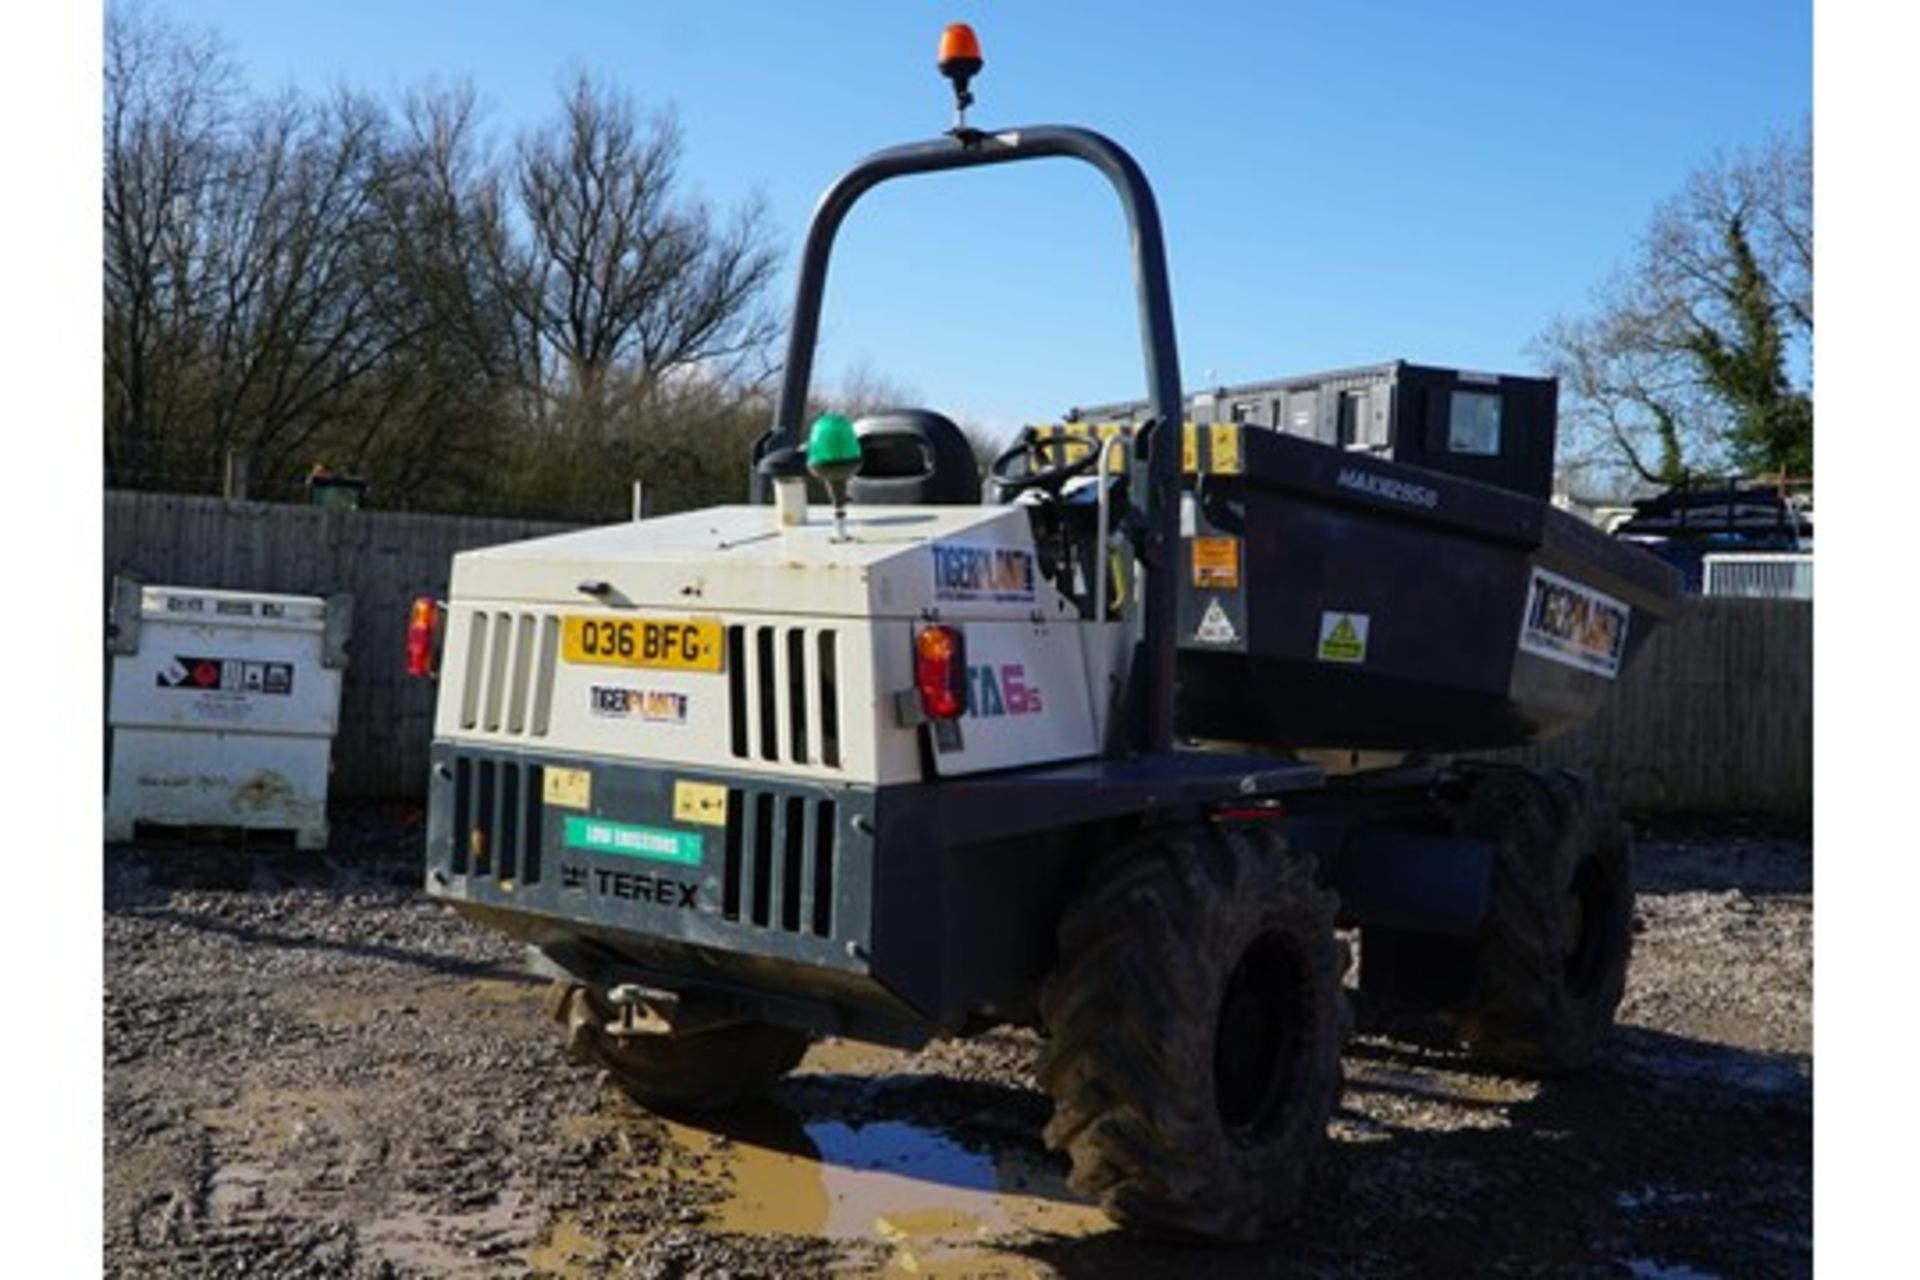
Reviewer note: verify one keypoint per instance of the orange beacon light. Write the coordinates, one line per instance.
(960, 62)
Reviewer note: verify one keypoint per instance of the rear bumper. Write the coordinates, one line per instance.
(775, 868)
(772, 894)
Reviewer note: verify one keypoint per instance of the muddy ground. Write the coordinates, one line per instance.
(312, 1071)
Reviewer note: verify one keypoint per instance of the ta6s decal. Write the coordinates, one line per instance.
(1001, 691)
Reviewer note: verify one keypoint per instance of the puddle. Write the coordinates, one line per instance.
(910, 1187)
(1494, 1091)
(1683, 1065)
(452, 1244)
(237, 1187)
(1648, 1269)
(831, 1055)
(567, 1248)
(266, 1122)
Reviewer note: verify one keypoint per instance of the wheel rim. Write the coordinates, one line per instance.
(1264, 1022)
(1584, 932)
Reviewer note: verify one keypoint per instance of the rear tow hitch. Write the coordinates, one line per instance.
(642, 1011)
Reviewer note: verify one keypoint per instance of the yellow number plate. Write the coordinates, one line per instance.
(679, 644)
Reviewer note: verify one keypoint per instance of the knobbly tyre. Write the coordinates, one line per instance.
(937, 760)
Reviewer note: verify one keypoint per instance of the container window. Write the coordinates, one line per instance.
(1351, 426)
(1473, 425)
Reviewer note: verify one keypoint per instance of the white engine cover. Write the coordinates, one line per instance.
(816, 637)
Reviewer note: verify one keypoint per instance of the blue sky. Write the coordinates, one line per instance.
(1340, 182)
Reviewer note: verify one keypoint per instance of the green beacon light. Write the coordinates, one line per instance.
(833, 454)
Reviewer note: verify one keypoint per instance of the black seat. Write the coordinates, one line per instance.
(913, 457)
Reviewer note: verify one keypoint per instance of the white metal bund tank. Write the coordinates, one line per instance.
(222, 707)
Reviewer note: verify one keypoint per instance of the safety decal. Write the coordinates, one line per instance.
(1574, 625)
(701, 803)
(655, 706)
(567, 788)
(228, 675)
(1343, 637)
(1215, 626)
(1223, 449)
(962, 572)
(1216, 563)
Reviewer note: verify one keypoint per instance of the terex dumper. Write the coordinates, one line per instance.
(922, 764)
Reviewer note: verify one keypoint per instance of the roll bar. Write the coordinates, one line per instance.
(1151, 685)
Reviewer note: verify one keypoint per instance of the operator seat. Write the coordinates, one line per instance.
(913, 457)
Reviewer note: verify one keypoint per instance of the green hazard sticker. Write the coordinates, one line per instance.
(600, 836)
(1343, 637)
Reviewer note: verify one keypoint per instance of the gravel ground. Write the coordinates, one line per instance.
(313, 1071)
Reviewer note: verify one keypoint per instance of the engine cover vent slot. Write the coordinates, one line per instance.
(508, 686)
(783, 689)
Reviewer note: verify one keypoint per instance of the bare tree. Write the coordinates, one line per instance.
(619, 267)
(433, 419)
(169, 103)
(296, 279)
(1696, 356)
(238, 293)
(292, 286)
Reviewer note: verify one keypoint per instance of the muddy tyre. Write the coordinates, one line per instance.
(706, 1071)
(1552, 956)
(1195, 1021)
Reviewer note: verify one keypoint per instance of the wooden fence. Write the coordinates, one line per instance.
(1717, 715)
(384, 558)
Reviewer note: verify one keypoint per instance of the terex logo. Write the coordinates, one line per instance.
(1001, 691)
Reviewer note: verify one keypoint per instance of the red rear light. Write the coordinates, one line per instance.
(423, 636)
(940, 672)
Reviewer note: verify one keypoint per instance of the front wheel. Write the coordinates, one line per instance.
(1553, 952)
(1195, 1022)
(707, 1070)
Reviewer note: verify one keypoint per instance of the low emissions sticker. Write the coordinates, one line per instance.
(598, 835)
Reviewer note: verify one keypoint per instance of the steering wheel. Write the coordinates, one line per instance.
(1030, 450)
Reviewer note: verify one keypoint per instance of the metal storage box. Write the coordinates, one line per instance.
(222, 707)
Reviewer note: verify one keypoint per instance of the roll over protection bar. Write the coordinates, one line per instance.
(1149, 701)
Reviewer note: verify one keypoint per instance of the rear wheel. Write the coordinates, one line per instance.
(703, 1071)
(1195, 1021)
(1553, 953)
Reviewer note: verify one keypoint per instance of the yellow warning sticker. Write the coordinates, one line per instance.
(1223, 449)
(567, 788)
(1343, 637)
(1216, 563)
(702, 803)
(1190, 448)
